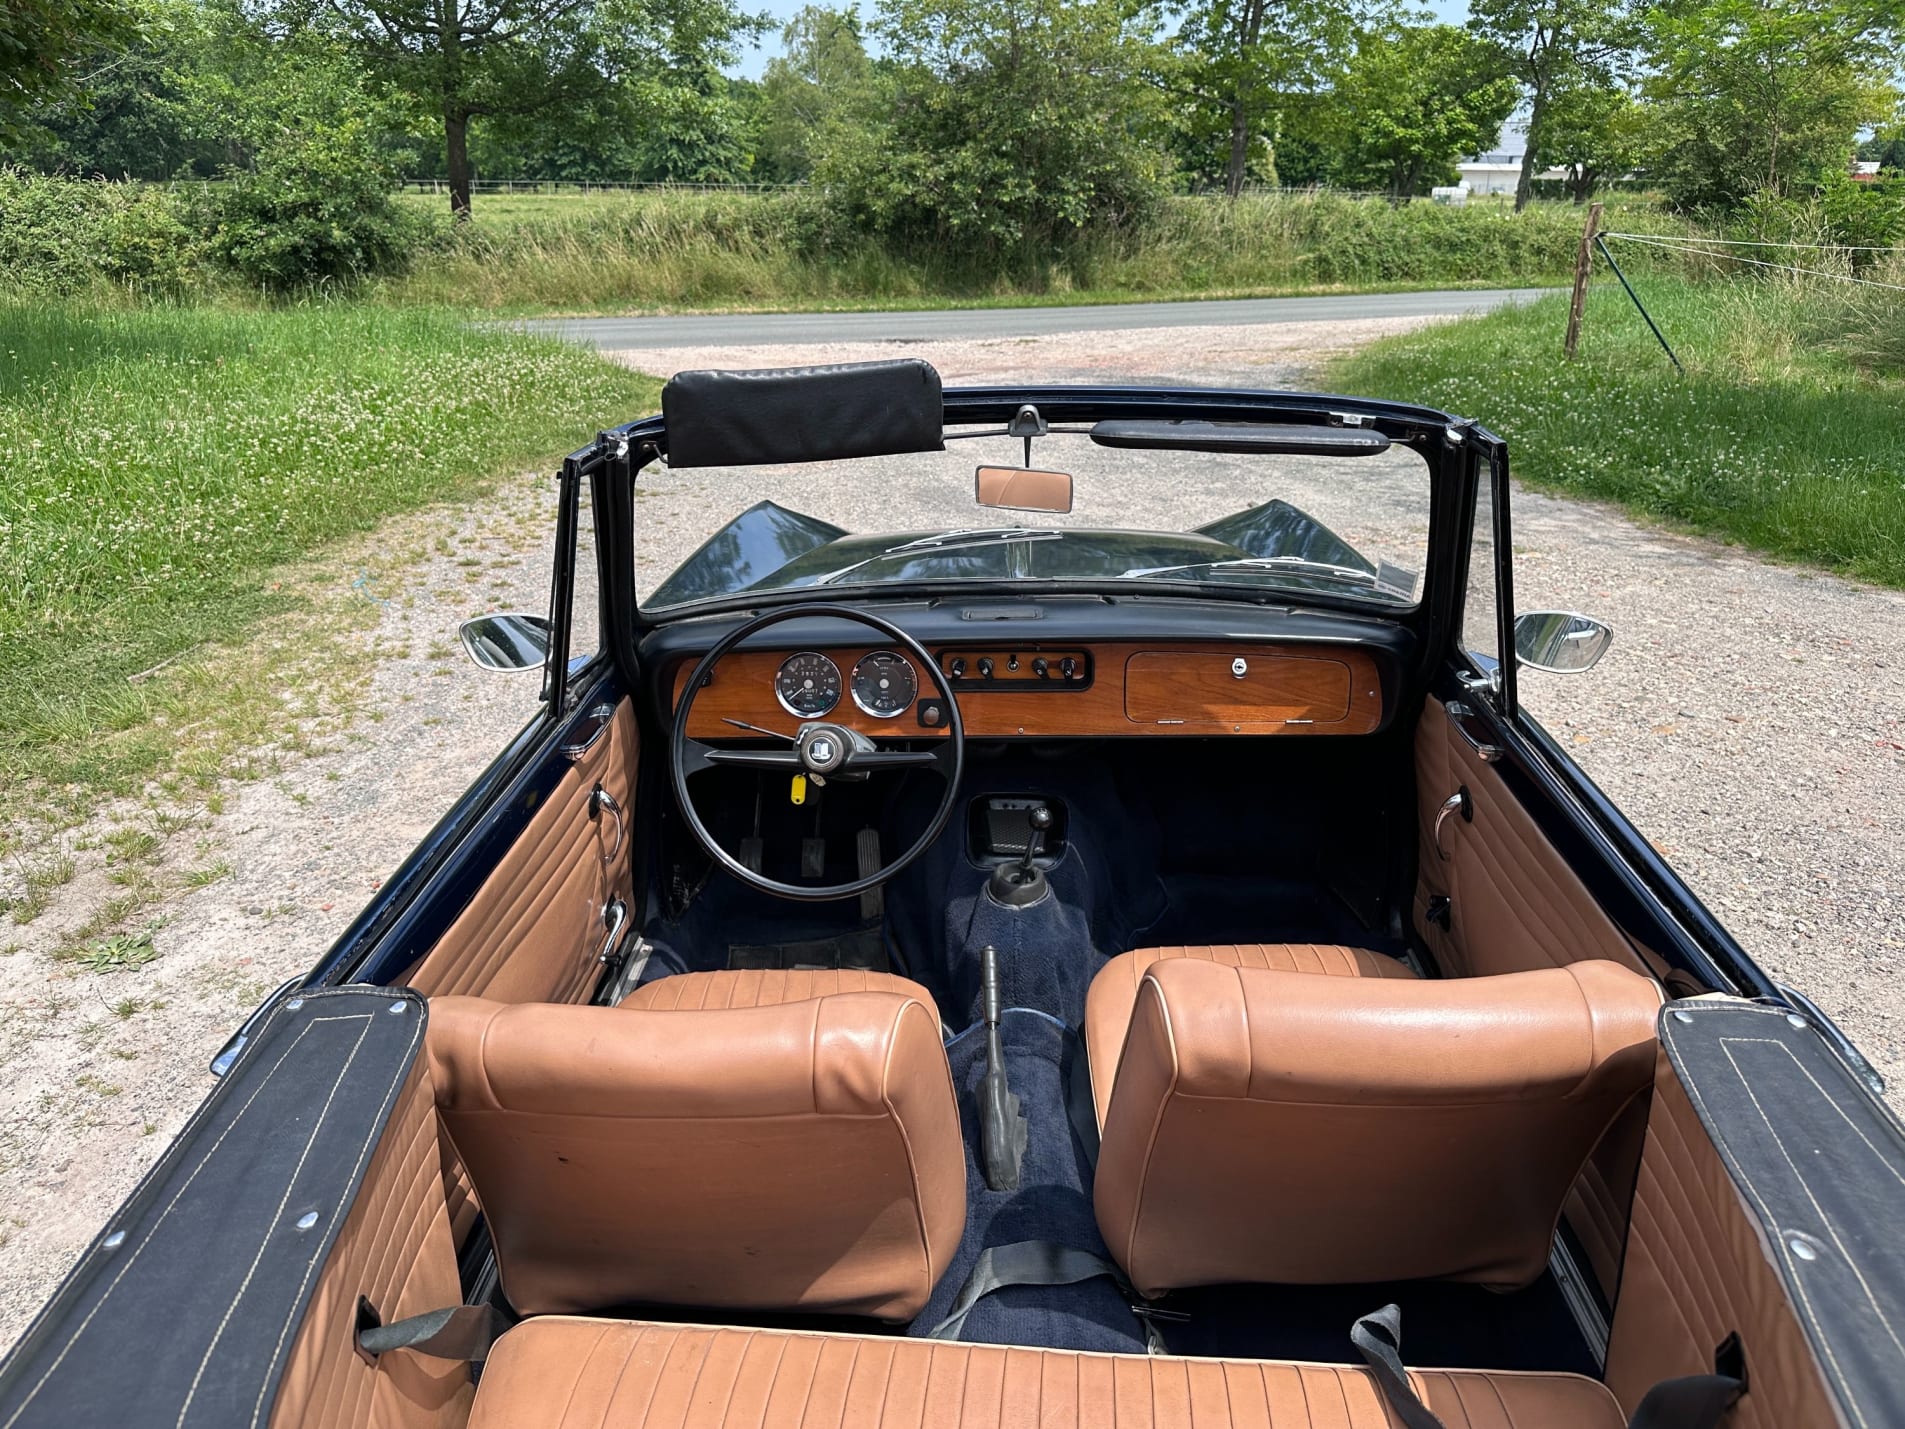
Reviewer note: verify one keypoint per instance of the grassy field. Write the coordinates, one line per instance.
(162, 463)
(1786, 434)
(685, 251)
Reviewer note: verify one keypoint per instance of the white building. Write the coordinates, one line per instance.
(1497, 173)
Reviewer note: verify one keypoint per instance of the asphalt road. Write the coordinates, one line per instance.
(952, 324)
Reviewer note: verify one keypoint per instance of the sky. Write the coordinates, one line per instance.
(755, 60)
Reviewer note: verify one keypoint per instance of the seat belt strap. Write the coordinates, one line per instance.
(1026, 1262)
(456, 1332)
(1080, 1108)
(1377, 1337)
(1694, 1401)
(1034, 1262)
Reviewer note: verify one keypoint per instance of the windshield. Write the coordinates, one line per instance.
(1351, 528)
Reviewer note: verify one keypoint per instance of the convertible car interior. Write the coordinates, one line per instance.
(1055, 975)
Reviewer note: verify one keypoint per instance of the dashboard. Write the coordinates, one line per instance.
(1008, 689)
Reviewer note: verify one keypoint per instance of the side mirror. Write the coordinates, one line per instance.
(1559, 641)
(507, 642)
(1016, 489)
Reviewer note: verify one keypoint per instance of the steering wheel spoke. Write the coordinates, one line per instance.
(881, 759)
(696, 756)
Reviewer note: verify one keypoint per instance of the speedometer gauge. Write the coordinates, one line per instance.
(884, 684)
(807, 685)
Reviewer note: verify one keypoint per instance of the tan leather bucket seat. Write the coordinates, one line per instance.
(1114, 992)
(1282, 1127)
(745, 1140)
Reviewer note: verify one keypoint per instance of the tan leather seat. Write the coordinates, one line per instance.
(725, 1142)
(1281, 1127)
(1114, 992)
(616, 1374)
(765, 987)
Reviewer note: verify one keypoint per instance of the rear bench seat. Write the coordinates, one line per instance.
(561, 1372)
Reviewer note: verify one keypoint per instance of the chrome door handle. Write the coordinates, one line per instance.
(588, 731)
(1458, 802)
(614, 919)
(1469, 725)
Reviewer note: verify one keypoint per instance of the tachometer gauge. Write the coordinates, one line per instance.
(807, 685)
(884, 684)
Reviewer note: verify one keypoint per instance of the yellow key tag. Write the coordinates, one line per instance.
(799, 793)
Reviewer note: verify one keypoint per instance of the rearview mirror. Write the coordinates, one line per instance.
(1015, 489)
(1560, 641)
(506, 641)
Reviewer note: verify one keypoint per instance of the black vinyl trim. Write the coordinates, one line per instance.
(184, 1308)
(1820, 1163)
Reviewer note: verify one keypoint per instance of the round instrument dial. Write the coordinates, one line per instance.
(885, 684)
(807, 685)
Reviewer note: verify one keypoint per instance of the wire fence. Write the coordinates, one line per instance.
(1709, 248)
(586, 186)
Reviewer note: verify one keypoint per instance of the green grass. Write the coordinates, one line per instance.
(161, 462)
(1786, 434)
(685, 251)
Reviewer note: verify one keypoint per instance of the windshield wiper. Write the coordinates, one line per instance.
(1300, 564)
(946, 541)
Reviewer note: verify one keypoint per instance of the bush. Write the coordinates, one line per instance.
(311, 214)
(67, 236)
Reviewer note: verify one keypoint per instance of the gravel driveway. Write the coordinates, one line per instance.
(1750, 718)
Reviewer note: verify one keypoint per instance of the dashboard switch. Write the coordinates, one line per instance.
(985, 668)
(958, 669)
(1041, 669)
(1068, 667)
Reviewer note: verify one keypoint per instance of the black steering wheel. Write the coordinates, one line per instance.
(822, 751)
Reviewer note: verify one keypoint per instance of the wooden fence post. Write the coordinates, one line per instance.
(1583, 266)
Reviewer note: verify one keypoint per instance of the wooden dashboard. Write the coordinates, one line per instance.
(1159, 688)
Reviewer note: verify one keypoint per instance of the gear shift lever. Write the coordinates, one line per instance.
(1018, 884)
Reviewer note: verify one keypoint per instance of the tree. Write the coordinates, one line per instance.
(1555, 45)
(1762, 95)
(1594, 134)
(466, 59)
(44, 45)
(1241, 63)
(132, 118)
(1415, 99)
(1008, 124)
(823, 72)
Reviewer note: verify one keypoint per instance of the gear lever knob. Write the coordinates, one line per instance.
(1040, 818)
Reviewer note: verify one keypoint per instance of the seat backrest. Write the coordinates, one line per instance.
(1288, 1128)
(803, 1156)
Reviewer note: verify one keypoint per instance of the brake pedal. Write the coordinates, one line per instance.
(813, 858)
(866, 847)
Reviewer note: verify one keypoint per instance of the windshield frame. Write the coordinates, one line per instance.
(1449, 446)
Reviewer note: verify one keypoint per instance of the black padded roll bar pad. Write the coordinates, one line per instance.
(789, 414)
